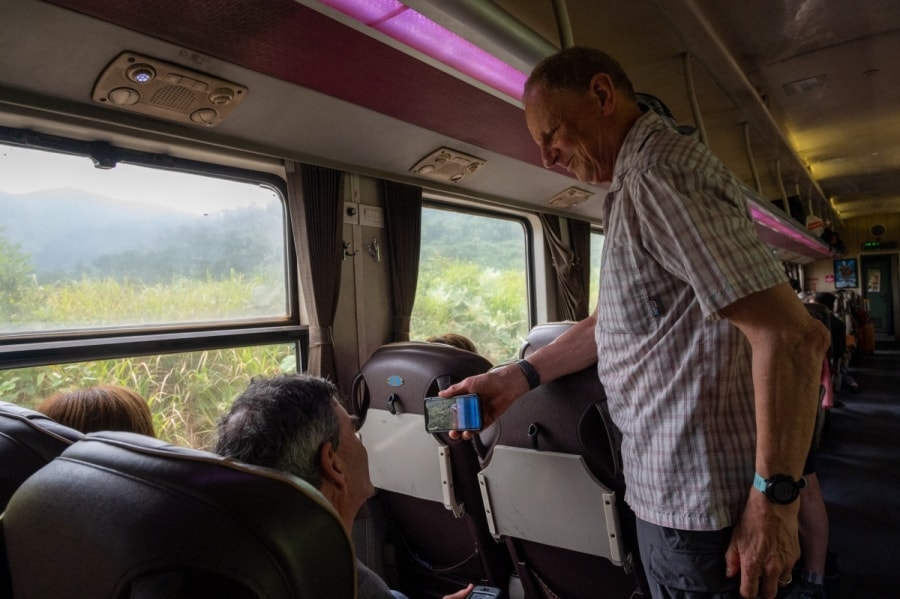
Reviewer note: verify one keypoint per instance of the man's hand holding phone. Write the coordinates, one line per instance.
(496, 390)
(457, 413)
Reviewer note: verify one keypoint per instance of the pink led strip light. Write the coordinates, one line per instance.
(409, 27)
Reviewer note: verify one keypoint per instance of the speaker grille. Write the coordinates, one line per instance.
(174, 97)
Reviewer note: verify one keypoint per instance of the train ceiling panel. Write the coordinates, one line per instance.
(742, 59)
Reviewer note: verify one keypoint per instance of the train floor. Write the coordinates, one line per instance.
(859, 471)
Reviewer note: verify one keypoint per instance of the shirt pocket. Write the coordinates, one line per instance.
(625, 306)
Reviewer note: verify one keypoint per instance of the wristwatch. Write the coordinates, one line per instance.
(780, 488)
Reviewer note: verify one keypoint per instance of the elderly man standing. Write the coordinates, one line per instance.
(709, 361)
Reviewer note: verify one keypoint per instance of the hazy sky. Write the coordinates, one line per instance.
(24, 170)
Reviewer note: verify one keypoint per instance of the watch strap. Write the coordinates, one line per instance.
(531, 375)
(764, 486)
(759, 483)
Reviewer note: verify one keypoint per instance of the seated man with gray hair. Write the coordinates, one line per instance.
(296, 423)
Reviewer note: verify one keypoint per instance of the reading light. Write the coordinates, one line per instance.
(141, 73)
(124, 96)
(221, 96)
(204, 116)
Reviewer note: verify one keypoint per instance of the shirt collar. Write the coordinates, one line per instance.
(647, 124)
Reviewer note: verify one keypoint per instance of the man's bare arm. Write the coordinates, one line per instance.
(788, 348)
(572, 351)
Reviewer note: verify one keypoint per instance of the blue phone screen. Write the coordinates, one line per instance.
(468, 414)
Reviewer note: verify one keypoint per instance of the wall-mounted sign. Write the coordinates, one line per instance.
(845, 274)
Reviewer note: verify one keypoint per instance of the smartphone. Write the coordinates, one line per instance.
(484, 593)
(460, 413)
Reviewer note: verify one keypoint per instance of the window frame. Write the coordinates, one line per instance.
(81, 345)
(534, 261)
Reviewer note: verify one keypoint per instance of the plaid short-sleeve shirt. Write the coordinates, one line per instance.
(679, 246)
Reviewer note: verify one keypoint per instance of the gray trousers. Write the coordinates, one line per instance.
(686, 564)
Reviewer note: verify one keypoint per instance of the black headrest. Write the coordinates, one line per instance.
(28, 441)
(124, 515)
(401, 375)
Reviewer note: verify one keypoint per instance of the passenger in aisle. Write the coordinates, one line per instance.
(809, 572)
(839, 359)
(709, 360)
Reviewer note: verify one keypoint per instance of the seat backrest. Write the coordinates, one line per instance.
(123, 515)
(553, 486)
(427, 483)
(28, 441)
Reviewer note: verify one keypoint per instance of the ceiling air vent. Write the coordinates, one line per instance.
(569, 197)
(801, 86)
(447, 165)
(164, 90)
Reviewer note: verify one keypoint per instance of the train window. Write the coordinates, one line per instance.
(596, 250)
(132, 246)
(473, 280)
(187, 391)
(169, 281)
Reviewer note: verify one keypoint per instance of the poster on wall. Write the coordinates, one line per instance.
(874, 284)
(845, 274)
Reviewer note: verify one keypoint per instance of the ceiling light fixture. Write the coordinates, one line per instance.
(165, 90)
(802, 86)
(413, 29)
(141, 73)
(570, 197)
(784, 229)
(449, 166)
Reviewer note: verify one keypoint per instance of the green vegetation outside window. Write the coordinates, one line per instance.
(596, 251)
(473, 281)
(187, 392)
(132, 252)
(131, 246)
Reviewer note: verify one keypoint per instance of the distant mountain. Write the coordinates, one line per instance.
(68, 232)
(62, 228)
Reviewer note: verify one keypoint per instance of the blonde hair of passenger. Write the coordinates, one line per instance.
(100, 408)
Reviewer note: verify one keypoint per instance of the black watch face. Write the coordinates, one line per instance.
(783, 491)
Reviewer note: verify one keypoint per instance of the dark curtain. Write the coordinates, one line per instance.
(316, 222)
(580, 239)
(403, 219)
(571, 262)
